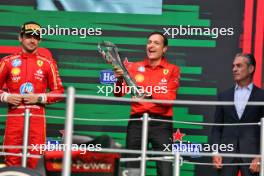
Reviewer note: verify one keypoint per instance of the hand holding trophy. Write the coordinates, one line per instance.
(109, 52)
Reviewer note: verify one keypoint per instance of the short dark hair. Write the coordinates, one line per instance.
(165, 39)
(251, 59)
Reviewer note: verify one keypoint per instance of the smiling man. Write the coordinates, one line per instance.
(159, 80)
(245, 139)
(27, 75)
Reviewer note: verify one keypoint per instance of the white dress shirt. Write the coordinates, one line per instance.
(241, 97)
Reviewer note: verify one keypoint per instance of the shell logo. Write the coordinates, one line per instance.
(139, 78)
(57, 165)
(15, 71)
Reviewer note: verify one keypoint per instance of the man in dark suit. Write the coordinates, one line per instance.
(245, 139)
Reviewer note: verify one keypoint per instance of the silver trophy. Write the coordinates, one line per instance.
(109, 52)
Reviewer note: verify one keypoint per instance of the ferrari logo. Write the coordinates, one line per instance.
(165, 71)
(39, 63)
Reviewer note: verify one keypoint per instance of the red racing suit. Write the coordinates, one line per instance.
(162, 82)
(23, 73)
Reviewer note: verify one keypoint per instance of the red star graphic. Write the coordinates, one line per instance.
(177, 136)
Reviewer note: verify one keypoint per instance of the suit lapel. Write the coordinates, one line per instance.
(232, 107)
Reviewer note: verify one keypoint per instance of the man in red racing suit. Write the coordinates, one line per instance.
(27, 75)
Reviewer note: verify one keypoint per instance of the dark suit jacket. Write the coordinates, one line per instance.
(245, 139)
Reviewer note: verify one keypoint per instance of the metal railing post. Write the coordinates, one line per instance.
(176, 166)
(25, 137)
(262, 147)
(68, 132)
(144, 144)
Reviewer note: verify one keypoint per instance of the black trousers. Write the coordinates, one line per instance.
(159, 133)
(233, 170)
